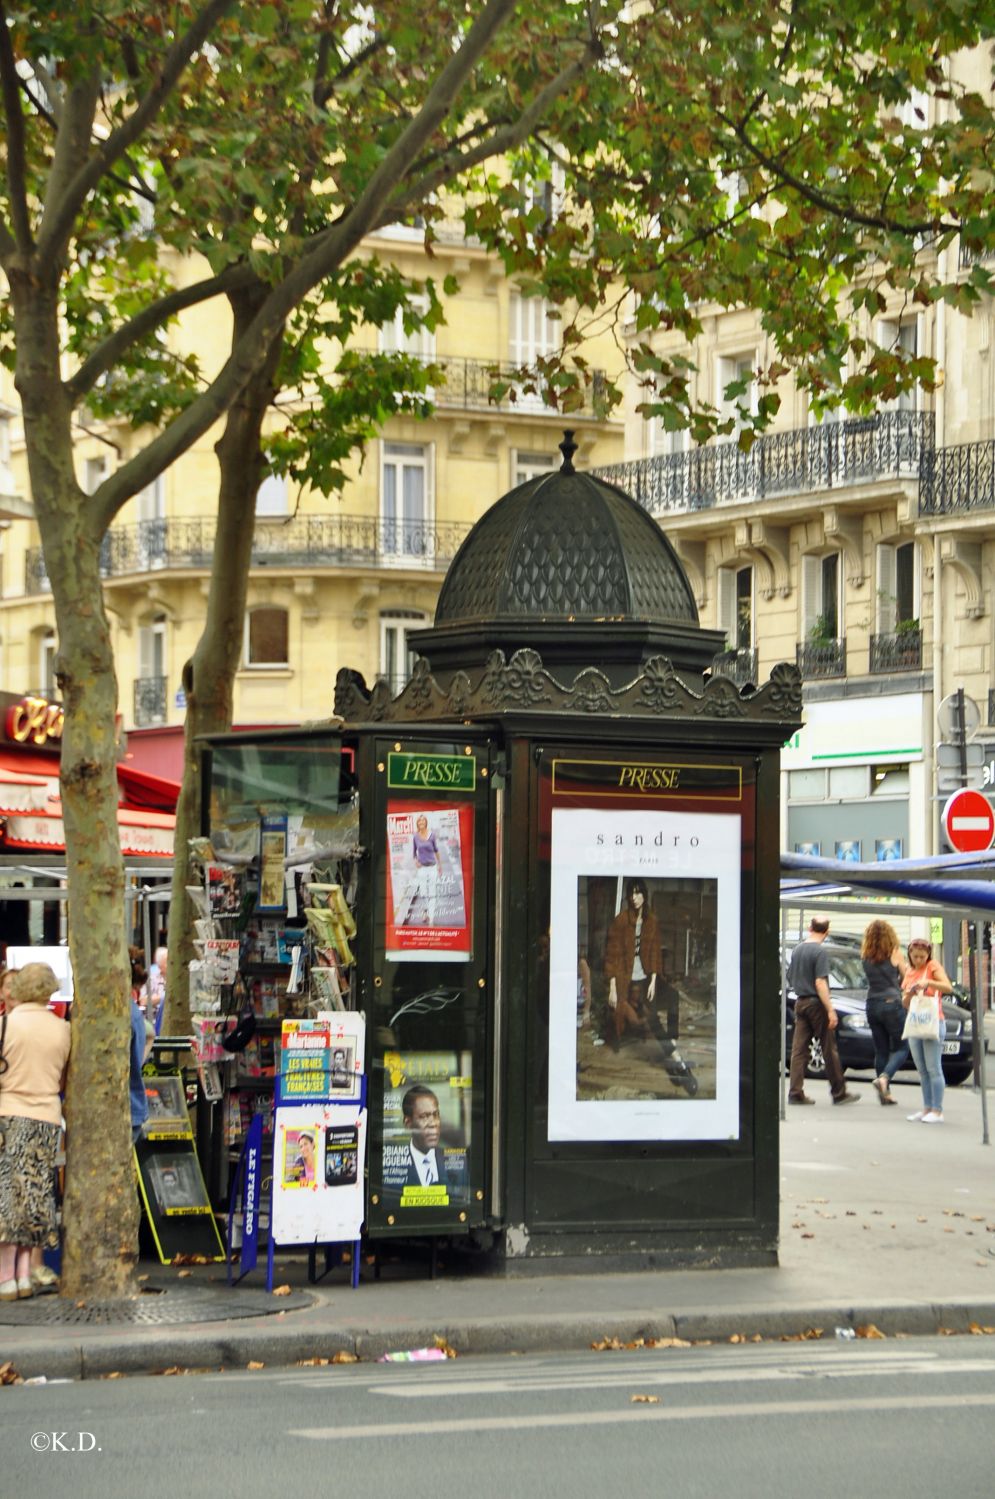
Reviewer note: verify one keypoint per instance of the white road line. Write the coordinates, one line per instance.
(752, 1410)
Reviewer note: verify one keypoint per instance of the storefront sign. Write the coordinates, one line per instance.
(650, 782)
(429, 882)
(628, 885)
(427, 1107)
(34, 721)
(431, 772)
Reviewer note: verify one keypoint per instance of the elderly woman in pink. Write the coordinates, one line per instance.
(32, 1074)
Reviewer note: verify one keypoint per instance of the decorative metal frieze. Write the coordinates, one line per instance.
(889, 444)
(524, 684)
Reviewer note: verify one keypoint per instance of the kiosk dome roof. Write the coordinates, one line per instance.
(566, 546)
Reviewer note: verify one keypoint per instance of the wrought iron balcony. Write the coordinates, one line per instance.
(740, 666)
(900, 651)
(466, 385)
(150, 701)
(308, 541)
(821, 658)
(836, 454)
(967, 257)
(958, 479)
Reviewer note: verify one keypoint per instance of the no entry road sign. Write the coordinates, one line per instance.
(968, 822)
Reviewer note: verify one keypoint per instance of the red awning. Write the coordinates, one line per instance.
(32, 812)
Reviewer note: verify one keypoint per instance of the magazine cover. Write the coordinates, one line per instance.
(429, 882)
(427, 1110)
(176, 1183)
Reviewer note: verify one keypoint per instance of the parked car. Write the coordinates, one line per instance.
(854, 1041)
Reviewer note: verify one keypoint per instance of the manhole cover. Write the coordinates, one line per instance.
(210, 1304)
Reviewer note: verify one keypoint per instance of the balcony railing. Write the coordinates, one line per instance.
(150, 701)
(958, 479)
(740, 666)
(822, 658)
(311, 541)
(466, 385)
(889, 445)
(900, 651)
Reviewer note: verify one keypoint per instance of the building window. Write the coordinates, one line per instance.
(662, 442)
(396, 339)
(533, 332)
(821, 602)
(525, 466)
(271, 496)
(94, 473)
(903, 336)
(397, 658)
(150, 685)
(406, 500)
(266, 637)
(152, 523)
(897, 587)
(736, 369)
(736, 607)
(46, 665)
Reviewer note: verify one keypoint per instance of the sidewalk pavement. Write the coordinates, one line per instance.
(884, 1223)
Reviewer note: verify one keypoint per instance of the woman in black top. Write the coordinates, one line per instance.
(885, 968)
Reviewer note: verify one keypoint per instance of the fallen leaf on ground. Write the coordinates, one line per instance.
(644, 1400)
(868, 1330)
(174, 1369)
(191, 1259)
(182, 1275)
(922, 1220)
(345, 1357)
(977, 1217)
(254, 1363)
(115, 1375)
(797, 1225)
(281, 1291)
(947, 1332)
(604, 1345)
(737, 1337)
(851, 1212)
(309, 1363)
(808, 1236)
(9, 1375)
(977, 1331)
(808, 1336)
(757, 1337)
(445, 1345)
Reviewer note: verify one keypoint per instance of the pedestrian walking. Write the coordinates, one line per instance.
(884, 967)
(925, 977)
(35, 1054)
(815, 1016)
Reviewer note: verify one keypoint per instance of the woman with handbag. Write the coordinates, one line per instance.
(884, 967)
(35, 1053)
(922, 987)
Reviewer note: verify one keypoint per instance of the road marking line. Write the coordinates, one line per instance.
(746, 1408)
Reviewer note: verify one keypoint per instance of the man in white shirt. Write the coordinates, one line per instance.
(420, 1111)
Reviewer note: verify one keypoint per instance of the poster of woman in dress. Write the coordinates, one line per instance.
(429, 882)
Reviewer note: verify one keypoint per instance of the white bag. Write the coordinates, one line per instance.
(923, 1018)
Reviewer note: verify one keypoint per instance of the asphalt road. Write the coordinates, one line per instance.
(909, 1418)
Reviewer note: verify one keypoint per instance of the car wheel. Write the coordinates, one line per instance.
(816, 1065)
(957, 1073)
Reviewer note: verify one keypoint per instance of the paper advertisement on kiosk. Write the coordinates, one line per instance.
(427, 1110)
(644, 1001)
(318, 1181)
(429, 882)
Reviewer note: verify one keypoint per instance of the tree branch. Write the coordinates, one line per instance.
(106, 354)
(325, 88)
(331, 248)
(61, 209)
(16, 161)
(828, 205)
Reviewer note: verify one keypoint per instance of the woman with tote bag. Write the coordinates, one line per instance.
(922, 986)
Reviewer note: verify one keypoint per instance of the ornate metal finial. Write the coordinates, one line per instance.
(568, 448)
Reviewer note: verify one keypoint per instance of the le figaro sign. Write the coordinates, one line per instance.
(32, 720)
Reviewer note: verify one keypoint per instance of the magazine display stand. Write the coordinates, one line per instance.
(317, 1198)
(170, 1180)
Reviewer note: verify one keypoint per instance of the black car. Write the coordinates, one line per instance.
(854, 1041)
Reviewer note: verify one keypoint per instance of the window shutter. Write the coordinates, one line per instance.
(727, 605)
(887, 590)
(811, 593)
